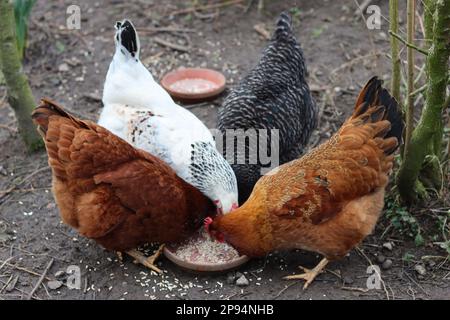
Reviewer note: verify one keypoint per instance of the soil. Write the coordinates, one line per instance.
(69, 66)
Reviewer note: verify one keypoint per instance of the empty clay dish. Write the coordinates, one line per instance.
(193, 83)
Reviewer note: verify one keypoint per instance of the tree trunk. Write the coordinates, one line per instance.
(20, 96)
(411, 13)
(429, 8)
(430, 122)
(432, 168)
(395, 79)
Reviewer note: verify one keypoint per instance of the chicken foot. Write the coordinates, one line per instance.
(309, 274)
(149, 262)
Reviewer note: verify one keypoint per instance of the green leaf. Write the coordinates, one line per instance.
(295, 11)
(318, 31)
(60, 47)
(408, 257)
(22, 11)
(445, 245)
(419, 240)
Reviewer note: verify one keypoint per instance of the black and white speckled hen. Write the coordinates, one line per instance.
(274, 95)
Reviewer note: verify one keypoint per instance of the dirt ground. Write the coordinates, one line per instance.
(70, 66)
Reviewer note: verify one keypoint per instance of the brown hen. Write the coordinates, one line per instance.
(327, 201)
(111, 192)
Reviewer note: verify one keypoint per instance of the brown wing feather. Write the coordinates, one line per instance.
(112, 192)
(331, 198)
(353, 163)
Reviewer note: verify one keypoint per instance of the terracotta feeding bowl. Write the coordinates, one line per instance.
(202, 254)
(193, 83)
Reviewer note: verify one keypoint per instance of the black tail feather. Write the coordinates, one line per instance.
(373, 94)
(128, 37)
(368, 95)
(283, 27)
(393, 114)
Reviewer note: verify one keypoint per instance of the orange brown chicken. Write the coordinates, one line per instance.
(113, 193)
(329, 200)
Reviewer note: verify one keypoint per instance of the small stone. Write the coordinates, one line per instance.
(54, 284)
(10, 287)
(420, 269)
(63, 67)
(50, 205)
(231, 278)
(381, 258)
(4, 236)
(337, 89)
(387, 264)
(347, 280)
(242, 282)
(388, 245)
(55, 81)
(60, 275)
(3, 171)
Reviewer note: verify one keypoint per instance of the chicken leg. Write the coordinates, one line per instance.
(309, 275)
(149, 262)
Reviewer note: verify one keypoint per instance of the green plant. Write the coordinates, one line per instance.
(408, 257)
(403, 221)
(421, 171)
(443, 223)
(444, 245)
(22, 10)
(188, 17)
(295, 12)
(316, 32)
(20, 96)
(60, 47)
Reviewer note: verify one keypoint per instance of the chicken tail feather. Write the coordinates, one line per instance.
(45, 110)
(373, 95)
(284, 26)
(393, 115)
(127, 37)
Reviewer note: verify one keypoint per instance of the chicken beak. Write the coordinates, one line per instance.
(207, 223)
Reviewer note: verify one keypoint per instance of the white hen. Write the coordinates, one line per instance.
(140, 111)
